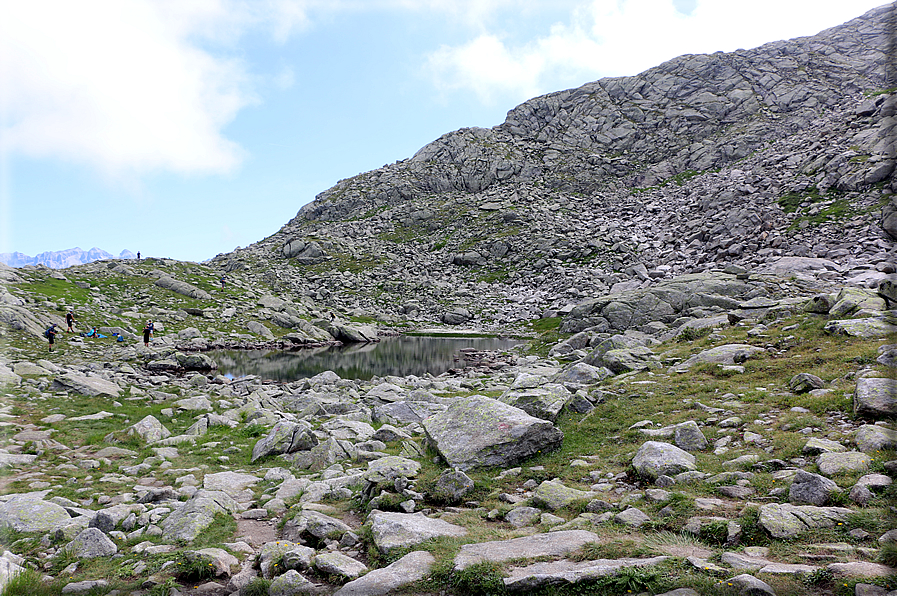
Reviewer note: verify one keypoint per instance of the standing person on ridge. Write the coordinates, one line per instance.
(51, 334)
(147, 332)
(70, 320)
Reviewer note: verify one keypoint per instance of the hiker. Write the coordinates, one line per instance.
(147, 332)
(50, 334)
(70, 320)
(138, 255)
(222, 281)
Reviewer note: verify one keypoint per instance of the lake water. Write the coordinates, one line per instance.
(400, 356)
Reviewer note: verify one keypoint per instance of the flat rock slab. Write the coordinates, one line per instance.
(870, 328)
(875, 398)
(90, 386)
(553, 544)
(861, 569)
(480, 431)
(412, 567)
(232, 483)
(726, 354)
(554, 573)
(98, 416)
(831, 464)
(15, 459)
(788, 521)
(398, 530)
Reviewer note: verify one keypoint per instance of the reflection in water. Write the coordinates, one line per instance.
(400, 356)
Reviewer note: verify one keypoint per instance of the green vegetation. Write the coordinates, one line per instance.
(877, 92)
(790, 201)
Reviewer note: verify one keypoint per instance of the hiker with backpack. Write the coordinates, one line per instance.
(70, 320)
(147, 332)
(50, 334)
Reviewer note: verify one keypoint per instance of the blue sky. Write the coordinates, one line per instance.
(187, 128)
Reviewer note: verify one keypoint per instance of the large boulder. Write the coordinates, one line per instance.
(850, 300)
(353, 334)
(91, 543)
(285, 437)
(875, 398)
(479, 432)
(28, 512)
(637, 358)
(452, 486)
(10, 566)
(581, 373)
(811, 489)
(871, 437)
(654, 459)
(805, 382)
(149, 429)
(306, 253)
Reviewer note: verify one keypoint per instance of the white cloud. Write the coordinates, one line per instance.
(129, 85)
(285, 79)
(624, 37)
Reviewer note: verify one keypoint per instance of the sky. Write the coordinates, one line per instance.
(187, 128)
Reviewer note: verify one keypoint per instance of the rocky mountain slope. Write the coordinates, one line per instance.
(60, 259)
(741, 158)
(699, 257)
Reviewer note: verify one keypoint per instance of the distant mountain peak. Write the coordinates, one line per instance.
(60, 259)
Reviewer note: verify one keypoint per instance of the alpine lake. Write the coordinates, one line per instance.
(397, 356)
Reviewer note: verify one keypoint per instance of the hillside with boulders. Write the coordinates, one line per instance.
(698, 264)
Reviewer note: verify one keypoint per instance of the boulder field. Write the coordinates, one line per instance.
(699, 263)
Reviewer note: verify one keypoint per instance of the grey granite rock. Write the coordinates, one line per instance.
(397, 530)
(412, 567)
(479, 431)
